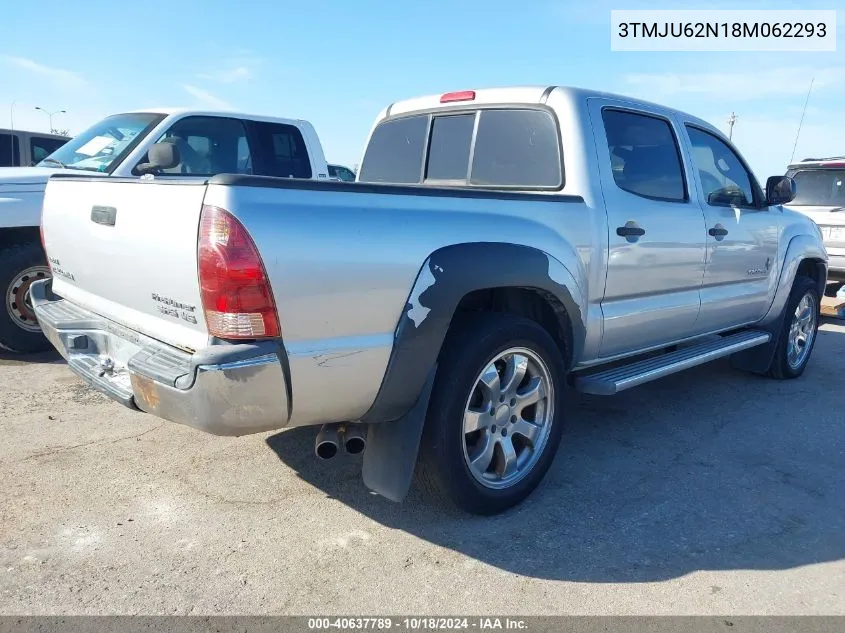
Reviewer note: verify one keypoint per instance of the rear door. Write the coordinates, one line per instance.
(127, 250)
(742, 235)
(655, 230)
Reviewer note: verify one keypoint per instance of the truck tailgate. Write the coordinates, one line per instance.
(127, 250)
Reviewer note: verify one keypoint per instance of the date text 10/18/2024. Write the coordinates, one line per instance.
(480, 623)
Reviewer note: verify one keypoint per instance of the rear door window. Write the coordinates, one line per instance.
(645, 157)
(9, 150)
(280, 151)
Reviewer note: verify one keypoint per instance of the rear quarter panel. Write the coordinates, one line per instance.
(342, 264)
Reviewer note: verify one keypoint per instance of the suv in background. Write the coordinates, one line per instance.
(21, 148)
(820, 183)
(339, 172)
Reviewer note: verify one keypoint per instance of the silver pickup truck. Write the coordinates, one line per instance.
(499, 247)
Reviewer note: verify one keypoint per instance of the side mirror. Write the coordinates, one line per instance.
(727, 197)
(780, 190)
(160, 156)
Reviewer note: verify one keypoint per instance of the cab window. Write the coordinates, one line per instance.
(645, 159)
(725, 182)
(208, 146)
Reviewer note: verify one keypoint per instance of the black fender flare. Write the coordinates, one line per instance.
(397, 414)
(445, 277)
(801, 248)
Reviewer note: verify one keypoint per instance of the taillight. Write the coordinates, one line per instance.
(235, 291)
(463, 95)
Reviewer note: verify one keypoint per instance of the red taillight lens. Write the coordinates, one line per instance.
(463, 95)
(235, 291)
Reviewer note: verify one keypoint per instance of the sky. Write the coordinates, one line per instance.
(337, 63)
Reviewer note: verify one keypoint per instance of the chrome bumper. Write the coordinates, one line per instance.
(836, 267)
(224, 390)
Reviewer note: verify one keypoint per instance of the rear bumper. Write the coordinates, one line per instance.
(835, 266)
(224, 390)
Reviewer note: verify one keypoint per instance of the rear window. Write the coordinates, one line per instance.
(395, 152)
(448, 151)
(820, 187)
(516, 148)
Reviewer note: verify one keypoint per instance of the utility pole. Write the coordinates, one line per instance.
(51, 115)
(731, 121)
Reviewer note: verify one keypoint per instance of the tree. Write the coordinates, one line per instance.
(60, 132)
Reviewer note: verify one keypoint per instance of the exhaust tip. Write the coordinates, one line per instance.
(355, 445)
(326, 450)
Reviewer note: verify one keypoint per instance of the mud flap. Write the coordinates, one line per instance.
(392, 448)
(758, 359)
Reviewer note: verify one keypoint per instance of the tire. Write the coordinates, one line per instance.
(784, 365)
(20, 265)
(443, 470)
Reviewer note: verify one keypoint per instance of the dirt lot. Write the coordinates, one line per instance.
(710, 492)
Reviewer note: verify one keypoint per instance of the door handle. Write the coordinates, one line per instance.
(719, 232)
(631, 231)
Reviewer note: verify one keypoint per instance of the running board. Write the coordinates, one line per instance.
(611, 381)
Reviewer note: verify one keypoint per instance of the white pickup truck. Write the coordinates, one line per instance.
(210, 142)
(499, 247)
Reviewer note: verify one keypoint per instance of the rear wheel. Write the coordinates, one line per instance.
(495, 418)
(800, 325)
(20, 266)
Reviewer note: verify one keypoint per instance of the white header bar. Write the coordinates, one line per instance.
(723, 31)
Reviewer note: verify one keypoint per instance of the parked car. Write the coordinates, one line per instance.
(433, 313)
(339, 172)
(209, 143)
(820, 195)
(23, 148)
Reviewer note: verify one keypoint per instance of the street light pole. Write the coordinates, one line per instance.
(50, 115)
(12, 124)
(731, 121)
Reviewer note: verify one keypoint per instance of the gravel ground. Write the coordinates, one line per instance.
(709, 492)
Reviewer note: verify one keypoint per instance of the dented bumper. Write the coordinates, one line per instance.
(224, 390)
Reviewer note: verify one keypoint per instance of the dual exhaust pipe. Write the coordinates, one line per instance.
(332, 436)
